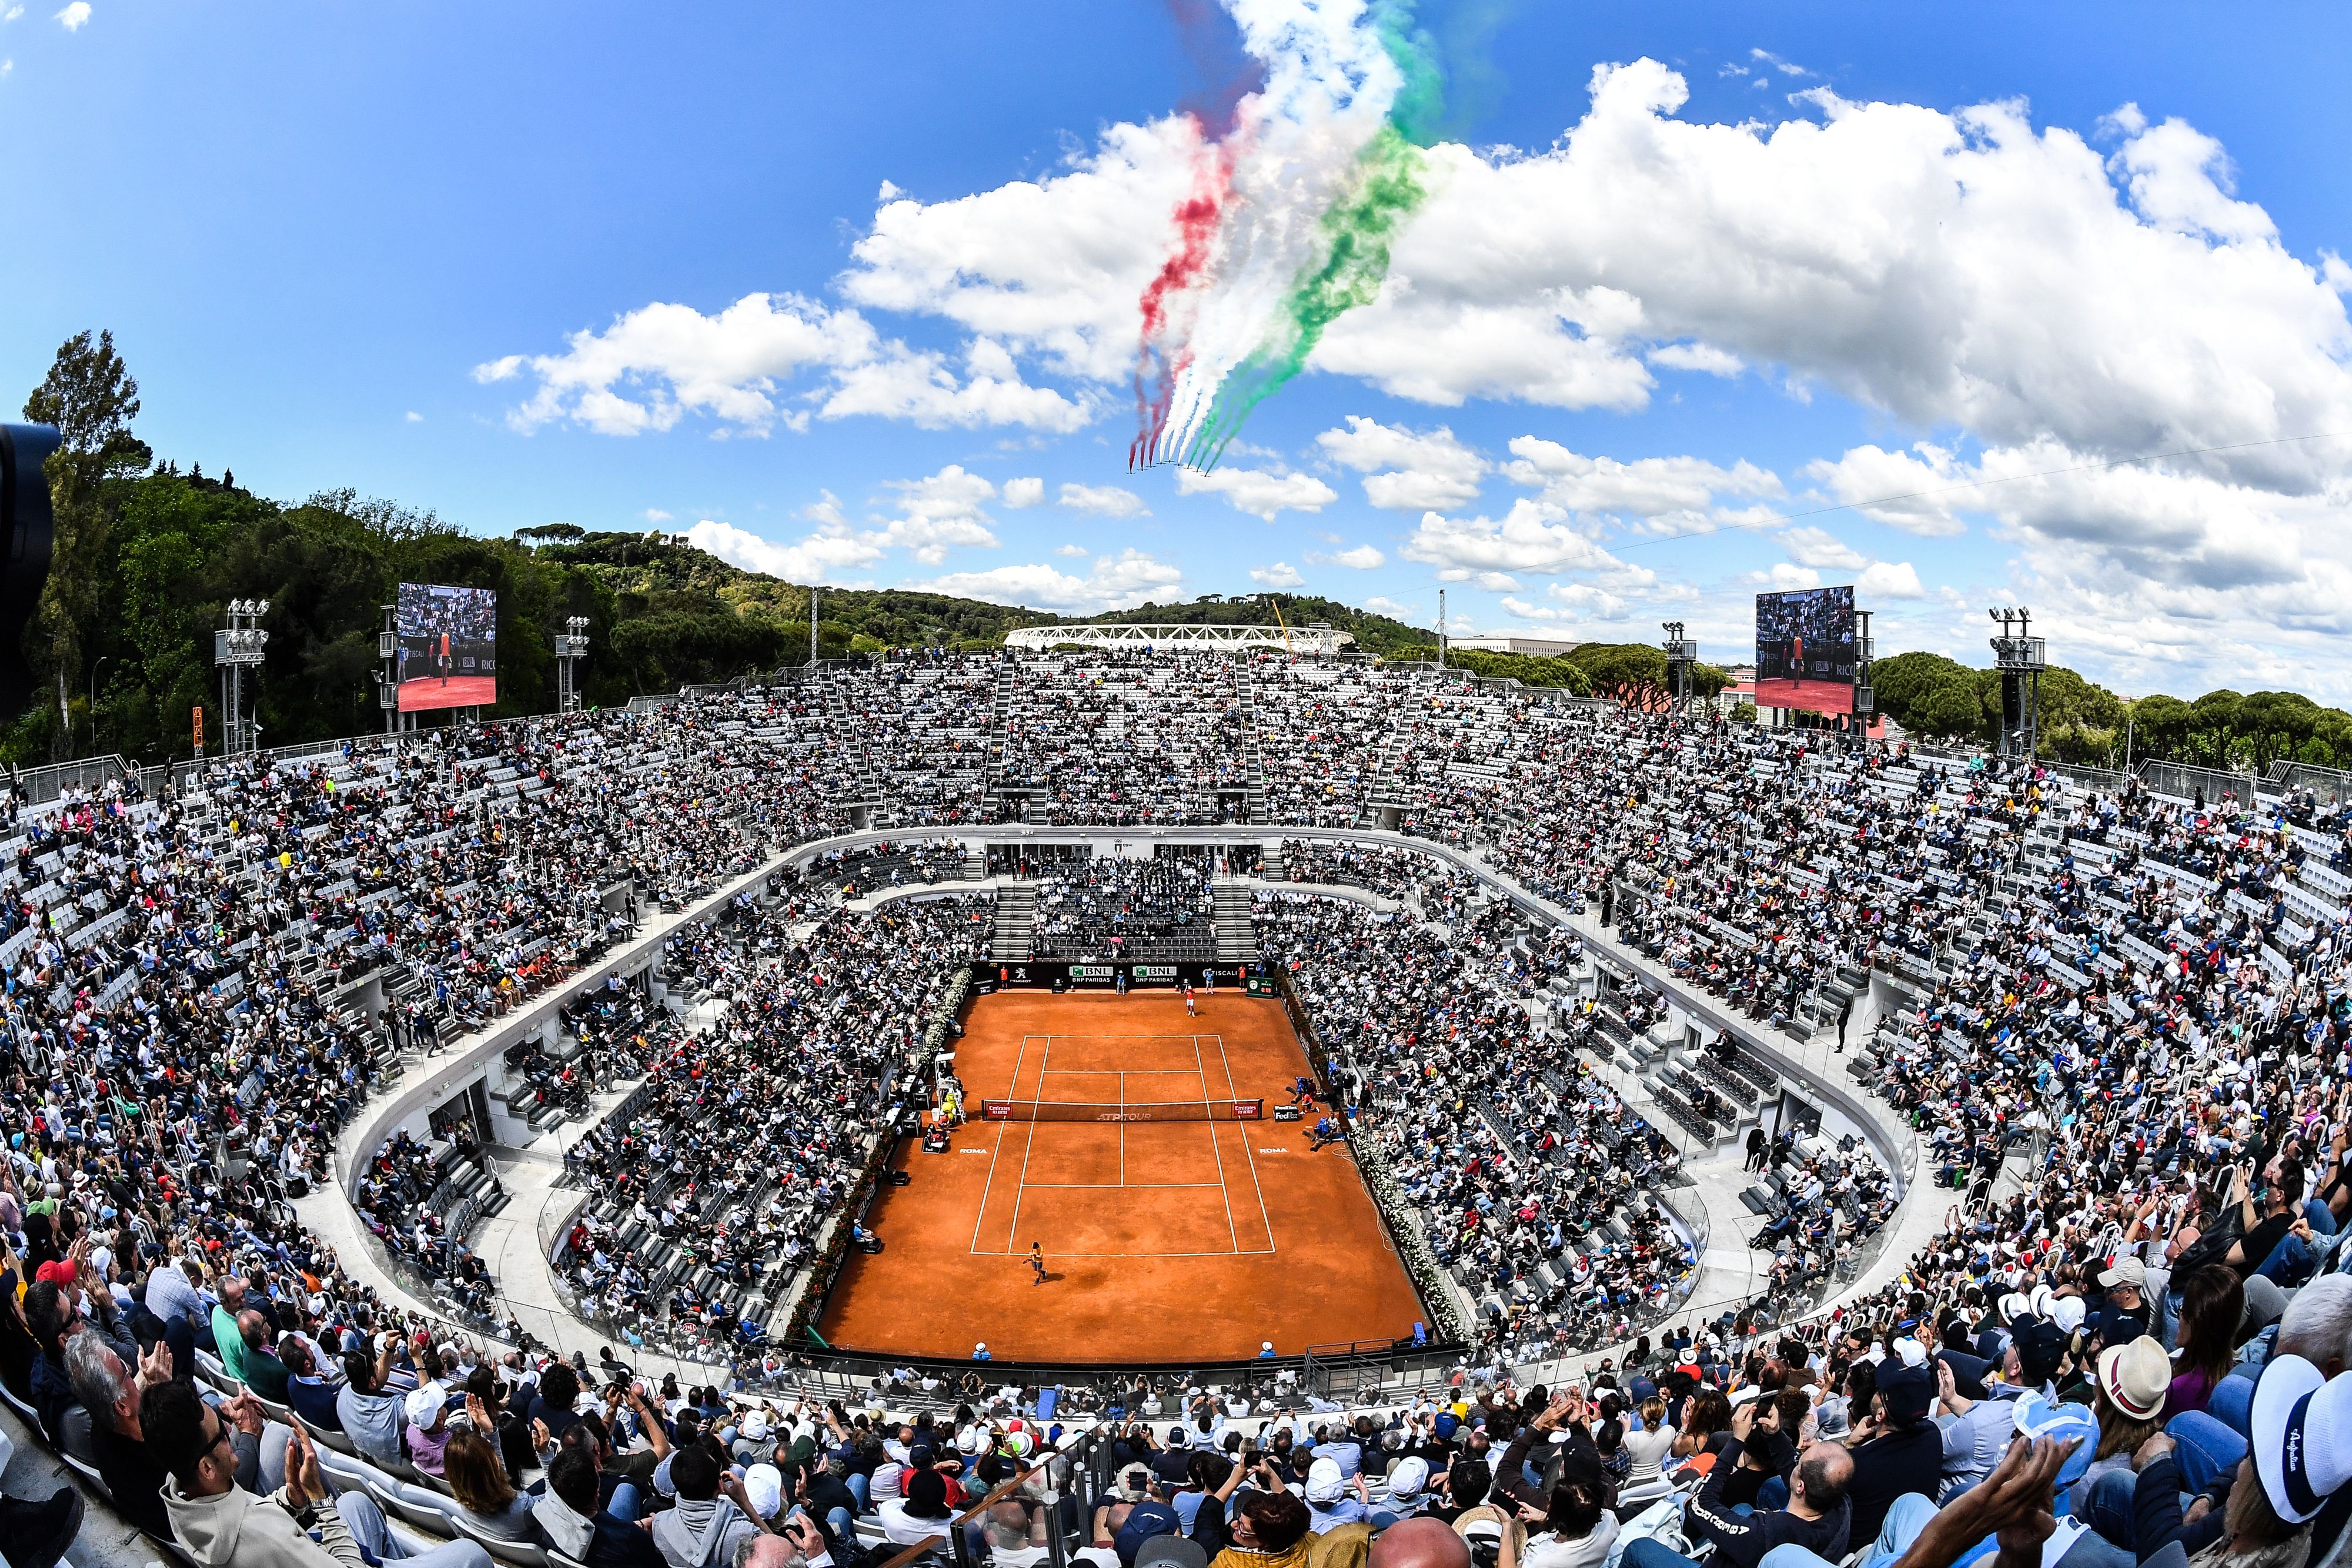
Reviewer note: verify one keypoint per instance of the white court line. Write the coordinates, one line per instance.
(1216, 1145)
(981, 1218)
(1120, 1185)
(1012, 1232)
(1230, 1088)
(1251, 1253)
(1122, 1128)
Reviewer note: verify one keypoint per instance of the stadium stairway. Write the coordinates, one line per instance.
(1015, 937)
(1236, 932)
(862, 795)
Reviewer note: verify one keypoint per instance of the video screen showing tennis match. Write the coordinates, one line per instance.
(1804, 650)
(447, 646)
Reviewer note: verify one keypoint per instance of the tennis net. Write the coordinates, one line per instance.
(1104, 1111)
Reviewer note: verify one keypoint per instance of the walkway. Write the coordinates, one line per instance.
(514, 1242)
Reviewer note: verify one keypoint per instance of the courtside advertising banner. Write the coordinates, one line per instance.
(1805, 650)
(448, 650)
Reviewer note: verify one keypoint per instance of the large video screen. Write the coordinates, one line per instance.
(448, 646)
(1804, 650)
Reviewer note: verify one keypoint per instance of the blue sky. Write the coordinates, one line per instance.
(1767, 266)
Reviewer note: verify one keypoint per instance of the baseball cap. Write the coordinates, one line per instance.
(1171, 1551)
(754, 1429)
(1324, 1481)
(56, 1271)
(1908, 1391)
(2038, 1416)
(425, 1403)
(1405, 1481)
(2301, 1444)
(2068, 1313)
(763, 1486)
(2040, 1348)
(1145, 1520)
(2127, 1272)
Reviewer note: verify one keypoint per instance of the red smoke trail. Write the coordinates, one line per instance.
(1196, 218)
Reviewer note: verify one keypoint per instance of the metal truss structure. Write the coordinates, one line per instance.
(1182, 639)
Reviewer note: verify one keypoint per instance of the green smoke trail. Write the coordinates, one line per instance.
(1357, 234)
(1421, 102)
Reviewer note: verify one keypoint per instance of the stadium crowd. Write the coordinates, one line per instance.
(2133, 1006)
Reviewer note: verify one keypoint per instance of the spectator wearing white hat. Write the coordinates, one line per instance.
(2126, 1316)
(2128, 1391)
(427, 1434)
(1329, 1498)
(1408, 1491)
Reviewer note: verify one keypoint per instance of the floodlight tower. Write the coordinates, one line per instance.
(1682, 652)
(2019, 657)
(1865, 698)
(236, 648)
(571, 647)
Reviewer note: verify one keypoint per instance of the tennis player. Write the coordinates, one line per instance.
(1037, 1262)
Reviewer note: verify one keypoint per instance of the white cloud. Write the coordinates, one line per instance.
(1930, 489)
(662, 361)
(1889, 579)
(1257, 491)
(1784, 577)
(1407, 471)
(1070, 549)
(73, 15)
(939, 512)
(1810, 546)
(1785, 68)
(1363, 558)
(1104, 501)
(655, 515)
(1114, 583)
(902, 384)
(1530, 537)
(820, 557)
(1647, 488)
(1055, 266)
(1024, 492)
(11, 14)
(1704, 357)
(413, 418)
(826, 511)
(1281, 574)
(1390, 608)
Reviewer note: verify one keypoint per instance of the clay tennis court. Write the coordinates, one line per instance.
(419, 692)
(1165, 1240)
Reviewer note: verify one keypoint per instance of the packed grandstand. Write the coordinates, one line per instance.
(2028, 1086)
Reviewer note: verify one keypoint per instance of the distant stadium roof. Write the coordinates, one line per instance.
(1184, 639)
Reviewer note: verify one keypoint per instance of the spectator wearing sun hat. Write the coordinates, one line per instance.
(2128, 1392)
